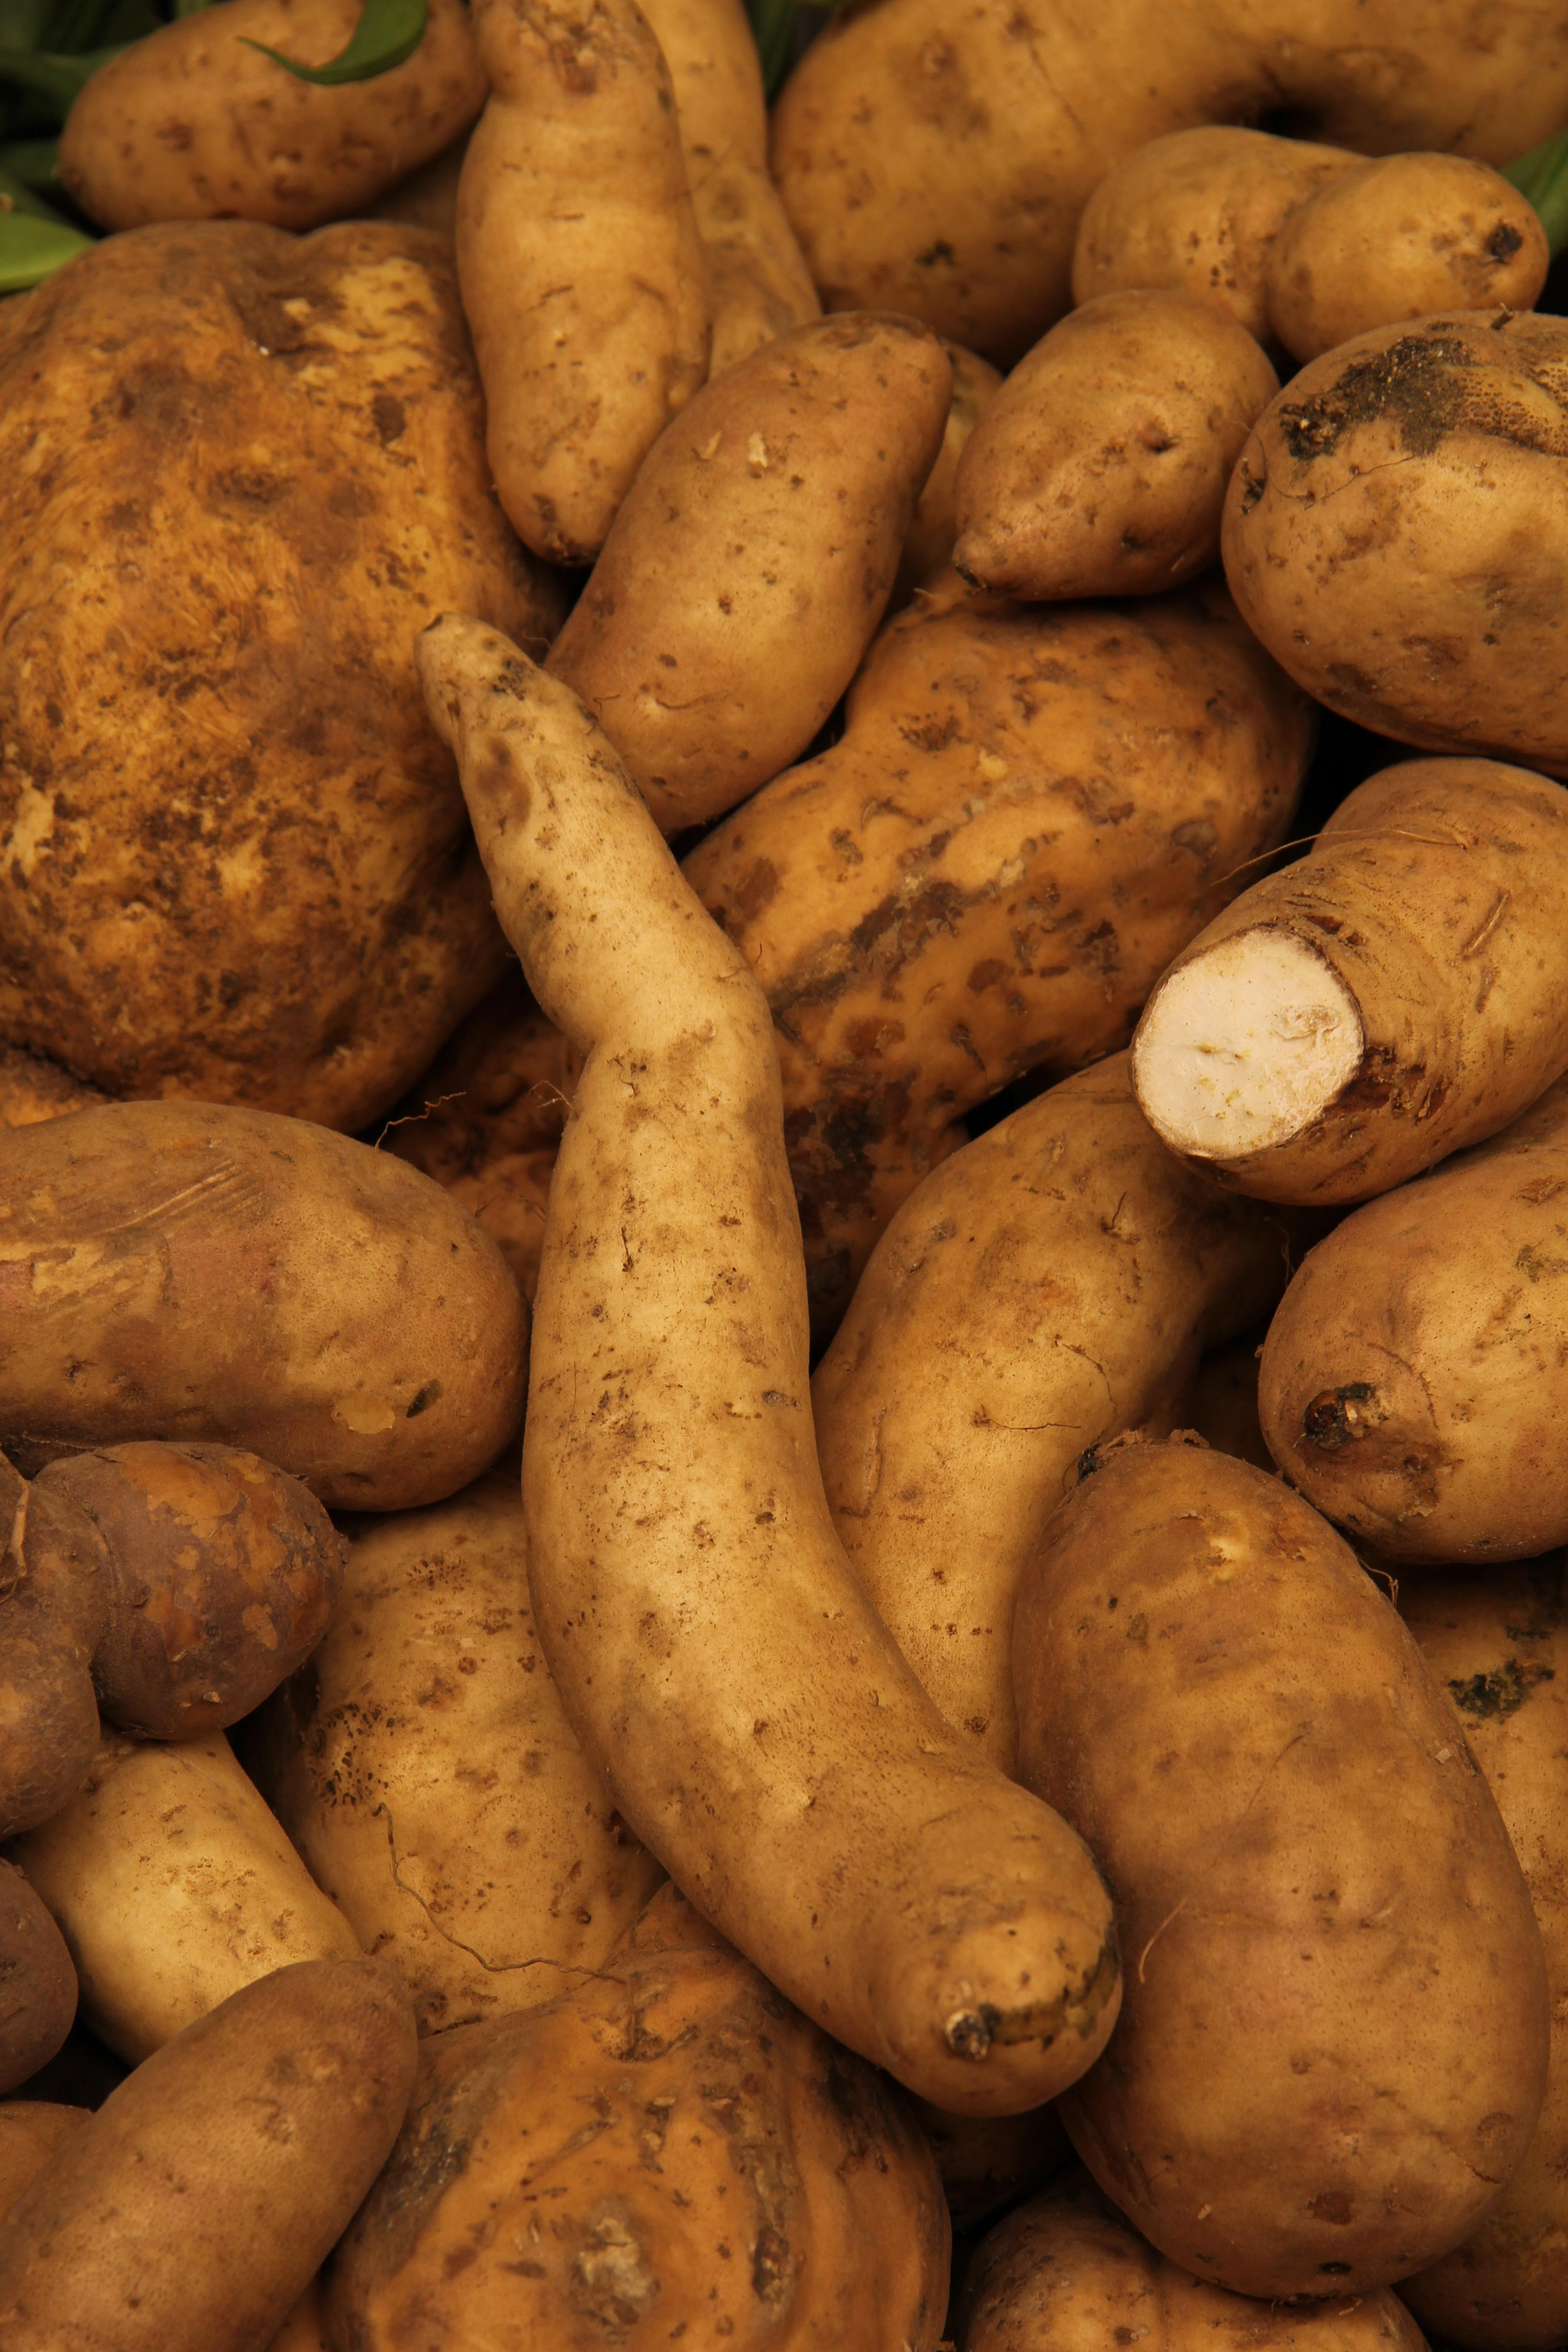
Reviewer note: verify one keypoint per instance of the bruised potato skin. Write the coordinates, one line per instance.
(1102, 464)
(37, 1987)
(223, 1574)
(762, 287)
(938, 163)
(1383, 533)
(582, 276)
(1046, 1288)
(192, 123)
(742, 2178)
(1313, 2085)
(1414, 1379)
(753, 558)
(1067, 2269)
(1030, 812)
(172, 1885)
(230, 462)
(193, 1271)
(1498, 1639)
(1198, 212)
(189, 2211)
(423, 1766)
(1430, 907)
(1403, 237)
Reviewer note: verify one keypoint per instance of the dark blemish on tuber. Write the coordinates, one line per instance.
(1414, 384)
(1495, 1695)
(1504, 241)
(424, 1401)
(1328, 1420)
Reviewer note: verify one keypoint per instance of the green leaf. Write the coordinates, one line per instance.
(15, 196)
(388, 31)
(1542, 177)
(33, 162)
(53, 82)
(773, 29)
(31, 249)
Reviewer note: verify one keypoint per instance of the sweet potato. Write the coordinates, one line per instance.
(1199, 211)
(195, 1271)
(222, 1576)
(1383, 533)
(189, 2211)
(193, 122)
(753, 558)
(37, 1983)
(1030, 812)
(581, 269)
(423, 1767)
(1317, 2083)
(1101, 465)
(234, 864)
(1046, 1288)
(485, 1119)
(1403, 237)
(667, 2150)
(754, 1723)
(761, 285)
(172, 1885)
(1497, 1640)
(938, 162)
(1394, 996)
(1414, 1379)
(1067, 2269)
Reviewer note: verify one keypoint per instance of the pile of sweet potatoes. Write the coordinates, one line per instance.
(783, 1316)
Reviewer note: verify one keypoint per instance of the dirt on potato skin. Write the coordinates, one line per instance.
(234, 862)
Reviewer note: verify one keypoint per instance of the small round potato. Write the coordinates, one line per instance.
(1401, 238)
(1100, 466)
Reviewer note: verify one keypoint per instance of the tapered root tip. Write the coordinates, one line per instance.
(1244, 1046)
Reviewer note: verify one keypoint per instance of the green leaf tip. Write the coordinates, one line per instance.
(388, 32)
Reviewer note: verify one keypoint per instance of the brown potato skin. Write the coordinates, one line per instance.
(54, 1606)
(423, 1766)
(161, 1263)
(1030, 812)
(1198, 211)
(190, 123)
(582, 274)
(223, 1574)
(743, 2177)
(37, 1983)
(1431, 894)
(1068, 2269)
(1403, 237)
(753, 558)
(1376, 500)
(1498, 1639)
(1101, 465)
(761, 285)
(32, 1090)
(486, 1117)
(1046, 1288)
(1313, 2086)
(933, 533)
(228, 462)
(30, 2132)
(938, 162)
(172, 1886)
(188, 2214)
(1415, 1375)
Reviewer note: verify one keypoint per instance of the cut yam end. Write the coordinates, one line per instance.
(1245, 1046)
